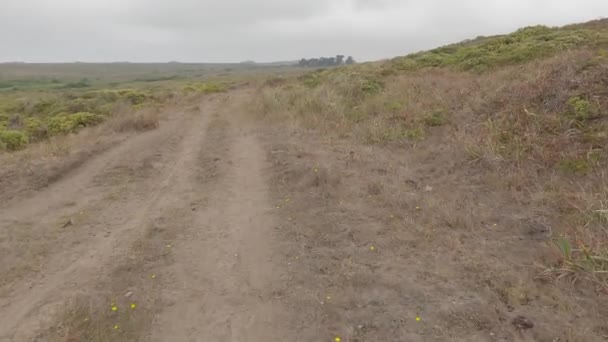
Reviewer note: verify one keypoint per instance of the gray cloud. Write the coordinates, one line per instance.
(263, 30)
(194, 14)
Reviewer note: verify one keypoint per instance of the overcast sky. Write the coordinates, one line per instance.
(261, 30)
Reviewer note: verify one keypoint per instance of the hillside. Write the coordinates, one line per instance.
(524, 45)
(510, 133)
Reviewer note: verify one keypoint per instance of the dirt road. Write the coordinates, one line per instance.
(199, 182)
(216, 228)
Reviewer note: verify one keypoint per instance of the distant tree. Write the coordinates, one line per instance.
(325, 61)
(339, 59)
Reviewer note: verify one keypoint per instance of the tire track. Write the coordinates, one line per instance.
(226, 275)
(29, 309)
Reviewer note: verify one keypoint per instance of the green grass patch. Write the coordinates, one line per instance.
(4, 120)
(581, 260)
(581, 109)
(575, 166)
(371, 86)
(434, 119)
(521, 46)
(206, 88)
(310, 80)
(35, 128)
(416, 134)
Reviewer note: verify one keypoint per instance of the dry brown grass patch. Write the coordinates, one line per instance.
(140, 121)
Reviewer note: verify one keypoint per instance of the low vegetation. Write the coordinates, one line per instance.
(12, 140)
(486, 53)
(28, 118)
(530, 107)
(205, 88)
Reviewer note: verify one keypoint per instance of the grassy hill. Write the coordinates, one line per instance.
(527, 109)
(523, 45)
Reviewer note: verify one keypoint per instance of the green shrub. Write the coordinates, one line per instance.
(44, 106)
(371, 87)
(3, 120)
(134, 96)
(71, 123)
(11, 140)
(580, 109)
(311, 80)
(35, 128)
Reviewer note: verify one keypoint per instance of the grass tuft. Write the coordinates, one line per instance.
(580, 262)
(140, 121)
(434, 119)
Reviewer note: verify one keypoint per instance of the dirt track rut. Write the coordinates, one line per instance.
(224, 273)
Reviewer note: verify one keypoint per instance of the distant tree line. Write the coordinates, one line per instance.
(326, 61)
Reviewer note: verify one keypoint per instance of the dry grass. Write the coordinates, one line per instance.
(140, 121)
(398, 109)
(537, 131)
(450, 244)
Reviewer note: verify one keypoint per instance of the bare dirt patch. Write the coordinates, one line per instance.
(227, 280)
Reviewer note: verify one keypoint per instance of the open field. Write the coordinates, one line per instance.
(24, 74)
(458, 194)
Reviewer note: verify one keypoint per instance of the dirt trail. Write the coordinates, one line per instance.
(222, 279)
(121, 220)
(225, 275)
